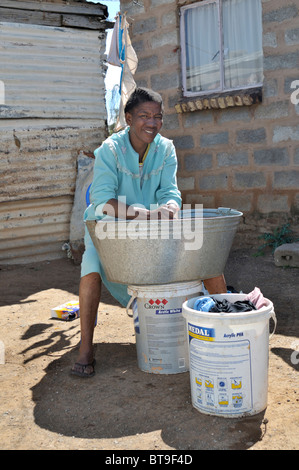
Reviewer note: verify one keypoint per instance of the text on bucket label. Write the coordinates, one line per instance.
(220, 373)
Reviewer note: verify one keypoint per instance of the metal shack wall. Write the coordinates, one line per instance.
(53, 107)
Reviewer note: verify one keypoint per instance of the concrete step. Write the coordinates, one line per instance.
(287, 255)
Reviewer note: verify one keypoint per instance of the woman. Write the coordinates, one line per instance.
(134, 177)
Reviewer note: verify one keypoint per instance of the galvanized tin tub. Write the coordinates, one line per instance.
(194, 247)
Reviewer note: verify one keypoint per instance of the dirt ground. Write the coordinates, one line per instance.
(43, 407)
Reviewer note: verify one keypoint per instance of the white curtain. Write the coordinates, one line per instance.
(241, 44)
(202, 48)
(242, 36)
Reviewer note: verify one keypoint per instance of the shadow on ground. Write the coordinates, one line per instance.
(123, 401)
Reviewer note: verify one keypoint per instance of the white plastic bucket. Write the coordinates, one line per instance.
(229, 355)
(160, 328)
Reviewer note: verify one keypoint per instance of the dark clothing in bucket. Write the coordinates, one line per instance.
(209, 304)
(226, 306)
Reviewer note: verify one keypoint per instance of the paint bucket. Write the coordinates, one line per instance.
(160, 328)
(228, 357)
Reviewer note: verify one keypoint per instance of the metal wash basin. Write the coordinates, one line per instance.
(193, 247)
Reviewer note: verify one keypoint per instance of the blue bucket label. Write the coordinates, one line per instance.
(200, 332)
(171, 311)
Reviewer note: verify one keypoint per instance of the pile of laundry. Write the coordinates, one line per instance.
(253, 301)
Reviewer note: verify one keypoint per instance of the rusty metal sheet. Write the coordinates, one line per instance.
(37, 185)
(53, 108)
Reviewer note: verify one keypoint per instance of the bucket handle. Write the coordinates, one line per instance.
(133, 297)
(273, 316)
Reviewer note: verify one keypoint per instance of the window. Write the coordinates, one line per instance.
(221, 46)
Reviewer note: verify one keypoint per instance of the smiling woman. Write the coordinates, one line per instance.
(145, 122)
(123, 189)
(144, 115)
(142, 158)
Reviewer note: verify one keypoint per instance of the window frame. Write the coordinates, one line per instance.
(221, 90)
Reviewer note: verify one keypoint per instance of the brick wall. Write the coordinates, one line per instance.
(245, 157)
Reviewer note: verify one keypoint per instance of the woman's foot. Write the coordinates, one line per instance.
(84, 370)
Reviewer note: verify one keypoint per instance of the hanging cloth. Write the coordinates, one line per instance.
(122, 53)
(113, 54)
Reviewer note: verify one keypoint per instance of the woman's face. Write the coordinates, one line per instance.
(145, 122)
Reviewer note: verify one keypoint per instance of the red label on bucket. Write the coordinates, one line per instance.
(155, 303)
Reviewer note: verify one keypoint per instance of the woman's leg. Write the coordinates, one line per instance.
(89, 299)
(216, 285)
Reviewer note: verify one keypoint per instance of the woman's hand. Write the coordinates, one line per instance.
(165, 212)
(118, 209)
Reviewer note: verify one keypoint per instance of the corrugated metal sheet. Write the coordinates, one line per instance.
(51, 72)
(39, 159)
(54, 107)
(33, 230)
(37, 184)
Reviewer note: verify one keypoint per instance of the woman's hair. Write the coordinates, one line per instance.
(142, 95)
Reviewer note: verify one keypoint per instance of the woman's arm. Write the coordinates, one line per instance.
(168, 192)
(120, 210)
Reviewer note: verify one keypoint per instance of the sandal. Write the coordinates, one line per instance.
(83, 367)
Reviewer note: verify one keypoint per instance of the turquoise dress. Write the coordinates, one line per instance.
(117, 176)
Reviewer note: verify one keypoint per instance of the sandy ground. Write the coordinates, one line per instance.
(42, 407)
